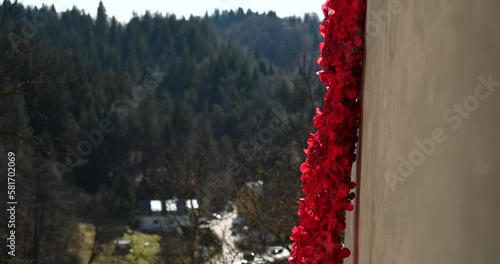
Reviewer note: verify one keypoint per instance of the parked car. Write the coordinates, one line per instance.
(276, 254)
(217, 216)
(238, 223)
(203, 221)
(277, 251)
(249, 256)
(122, 247)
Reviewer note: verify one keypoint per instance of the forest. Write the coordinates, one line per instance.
(102, 115)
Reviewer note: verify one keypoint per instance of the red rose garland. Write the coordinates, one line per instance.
(326, 173)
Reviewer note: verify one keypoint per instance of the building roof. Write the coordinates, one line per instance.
(193, 202)
(171, 205)
(155, 205)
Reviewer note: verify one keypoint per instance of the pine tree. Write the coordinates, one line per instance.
(101, 22)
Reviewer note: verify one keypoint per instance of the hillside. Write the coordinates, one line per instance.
(107, 114)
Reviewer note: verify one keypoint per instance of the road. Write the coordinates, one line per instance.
(426, 74)
(221, 228)
(230, 255)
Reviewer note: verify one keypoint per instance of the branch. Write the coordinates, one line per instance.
(26, 138)
(303, 74)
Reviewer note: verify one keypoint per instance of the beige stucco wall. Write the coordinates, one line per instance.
(422, 58)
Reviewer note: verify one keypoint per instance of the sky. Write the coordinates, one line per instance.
(122, 10)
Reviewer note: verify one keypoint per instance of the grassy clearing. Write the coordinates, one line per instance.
(145, 247)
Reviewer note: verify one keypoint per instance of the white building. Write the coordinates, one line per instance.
(165, 215)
